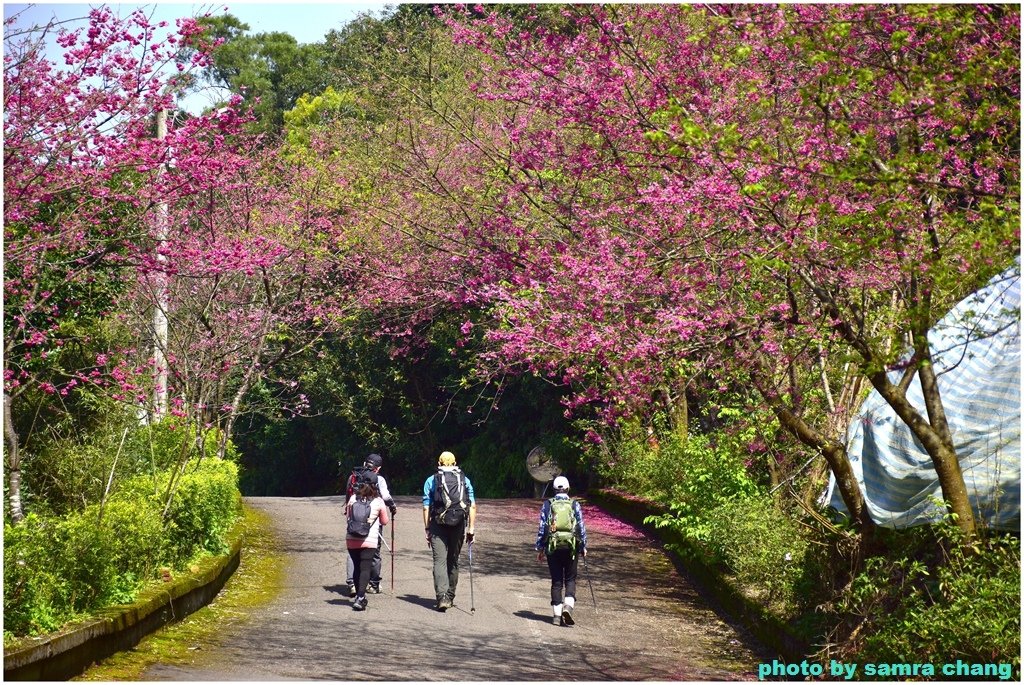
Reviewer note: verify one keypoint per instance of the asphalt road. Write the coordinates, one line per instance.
(643, 622)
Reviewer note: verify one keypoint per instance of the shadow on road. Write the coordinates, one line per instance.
(425, 602)
(533, 616)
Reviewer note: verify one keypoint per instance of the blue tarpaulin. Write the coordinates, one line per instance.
(976, 350)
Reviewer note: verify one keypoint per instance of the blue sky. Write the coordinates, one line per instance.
(307, 22)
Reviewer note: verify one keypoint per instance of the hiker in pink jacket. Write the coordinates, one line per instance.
(365, 513)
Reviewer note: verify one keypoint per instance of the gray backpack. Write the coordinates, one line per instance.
(359, 518)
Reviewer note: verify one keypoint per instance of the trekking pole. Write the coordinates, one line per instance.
(392, 550)
(472, 604)
(586, 569)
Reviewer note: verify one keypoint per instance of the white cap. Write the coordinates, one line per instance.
(561, 483)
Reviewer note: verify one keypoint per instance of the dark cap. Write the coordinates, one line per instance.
(374, 460)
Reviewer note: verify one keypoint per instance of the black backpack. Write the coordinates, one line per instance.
(359, 518)
(361, 475)
(450, 498)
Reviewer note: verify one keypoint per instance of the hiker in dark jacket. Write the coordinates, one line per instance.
(449, 516)
(372, 465)
(563, 544)
(361, 548)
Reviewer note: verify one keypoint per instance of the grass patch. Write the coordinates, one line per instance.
(256, 582)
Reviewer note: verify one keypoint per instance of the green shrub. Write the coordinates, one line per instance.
(766, 551)
(72, 472)
(917, 608)
(29, 581)
(694, 478)
(158, 447)
(69, 473)
(205, 506)
(58, 568)
(134, 530)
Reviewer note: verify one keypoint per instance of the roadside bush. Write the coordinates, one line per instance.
(134, 530)
(693, 477)
(206, 504)
(160, 446)
(29, 582)
(766, 551)
(927, 608)
(68, 473)
(57, 569)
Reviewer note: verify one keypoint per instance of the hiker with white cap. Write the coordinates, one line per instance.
(562, 536)
(449, 516)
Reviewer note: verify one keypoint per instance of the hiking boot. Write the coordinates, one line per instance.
(373, 588)
(557, 620)
(351, 590)
(567, 617)
(360, 604)
(444, 604)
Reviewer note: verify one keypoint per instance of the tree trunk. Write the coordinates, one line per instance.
(679, 413)
(236, 403)
(13, 463)
(935, 439)
(834, 453)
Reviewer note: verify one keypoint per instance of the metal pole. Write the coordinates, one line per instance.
(160, 335)
(392, 550)
(586, 570)
(472, 603)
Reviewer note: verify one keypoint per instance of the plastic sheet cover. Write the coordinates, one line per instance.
(977, 356)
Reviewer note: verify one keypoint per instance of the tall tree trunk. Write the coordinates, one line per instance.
(935, 439)
(13, 463)
(834, 453)
(678, 411)
(236, 403)
(944, 456)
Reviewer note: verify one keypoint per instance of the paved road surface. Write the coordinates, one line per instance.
(649, 623)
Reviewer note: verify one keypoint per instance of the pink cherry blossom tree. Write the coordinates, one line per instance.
(240, 271)
(808, 184)
(81, 169)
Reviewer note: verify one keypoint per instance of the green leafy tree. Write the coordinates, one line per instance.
(271, 70)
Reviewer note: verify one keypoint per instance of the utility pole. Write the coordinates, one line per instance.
(161, 296)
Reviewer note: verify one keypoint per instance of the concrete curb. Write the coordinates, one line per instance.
(68, 652)
(770, 630)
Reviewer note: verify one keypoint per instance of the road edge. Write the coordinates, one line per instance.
(768, 629)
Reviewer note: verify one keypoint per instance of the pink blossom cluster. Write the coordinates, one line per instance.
(207, 224)
(746, 186)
